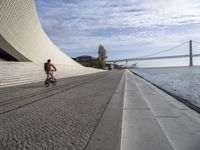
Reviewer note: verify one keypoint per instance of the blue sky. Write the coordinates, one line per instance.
(126, 28)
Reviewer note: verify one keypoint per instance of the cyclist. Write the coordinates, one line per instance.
(49, 68)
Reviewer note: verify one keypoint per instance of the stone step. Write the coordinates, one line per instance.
(16, 73)
(14, 83)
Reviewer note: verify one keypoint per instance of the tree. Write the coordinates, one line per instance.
(102, 56)
(102, 52)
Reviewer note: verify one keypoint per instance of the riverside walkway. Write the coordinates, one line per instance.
(113, 110)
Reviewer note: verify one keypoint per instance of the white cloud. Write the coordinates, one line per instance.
(75, 25)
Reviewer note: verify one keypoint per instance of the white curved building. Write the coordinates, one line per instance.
(22, 36)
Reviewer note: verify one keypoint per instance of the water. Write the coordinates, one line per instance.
(180, 81)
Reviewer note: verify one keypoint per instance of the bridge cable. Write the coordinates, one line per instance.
(196, 42)
(163, 50)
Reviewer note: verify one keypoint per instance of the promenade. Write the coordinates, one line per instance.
(62, 117)
(113, 110)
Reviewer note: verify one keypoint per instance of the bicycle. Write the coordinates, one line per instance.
(50, 79)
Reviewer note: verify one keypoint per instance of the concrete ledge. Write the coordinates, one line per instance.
(182, 100)
(179, 123)
(107, 135)
(140, 129)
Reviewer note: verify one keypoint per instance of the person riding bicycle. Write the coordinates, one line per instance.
(49, 68)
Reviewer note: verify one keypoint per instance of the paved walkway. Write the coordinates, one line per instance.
(152, 120)
(63, 117)
(112, 110)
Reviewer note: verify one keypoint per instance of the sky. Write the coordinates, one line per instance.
(126, 28)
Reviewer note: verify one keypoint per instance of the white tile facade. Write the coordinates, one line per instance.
(22, 36)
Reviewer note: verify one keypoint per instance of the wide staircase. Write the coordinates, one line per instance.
(17, 73)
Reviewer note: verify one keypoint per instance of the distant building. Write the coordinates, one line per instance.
(112, 66)
(85, 60)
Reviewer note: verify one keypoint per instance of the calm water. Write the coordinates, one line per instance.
(180, 81)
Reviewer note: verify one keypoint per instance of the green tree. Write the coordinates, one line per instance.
(102, 56)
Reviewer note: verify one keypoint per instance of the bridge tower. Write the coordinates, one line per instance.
(191, 58)
(126, 63)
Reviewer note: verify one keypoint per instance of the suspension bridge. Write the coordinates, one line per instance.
(152, 56)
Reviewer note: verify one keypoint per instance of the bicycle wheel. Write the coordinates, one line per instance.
(46, 83)
(54, 82)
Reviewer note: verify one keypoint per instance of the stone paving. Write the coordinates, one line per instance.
(58, 118)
